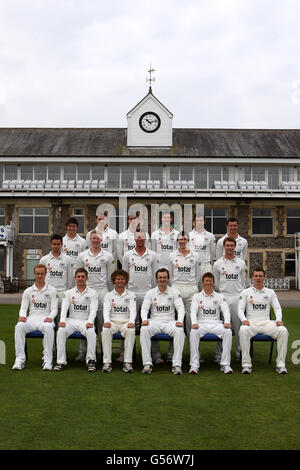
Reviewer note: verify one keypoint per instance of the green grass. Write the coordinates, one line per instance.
(78, 410)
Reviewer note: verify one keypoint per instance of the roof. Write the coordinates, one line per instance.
(260, 143)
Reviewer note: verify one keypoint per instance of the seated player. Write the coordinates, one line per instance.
(119, 312)
(42, 303)
(205, 318)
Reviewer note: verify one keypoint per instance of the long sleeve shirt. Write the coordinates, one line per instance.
(257, 304)
(41, 303)
(59, 271)
(141, 270)
(163, 305)
(209, 307)
(99, 268)
(118, 307)
(240, 249)
(81, 305)
(164, 244)
(109, 241)
(230, 275)
(184, 269)
(204, 244)
(126, 242)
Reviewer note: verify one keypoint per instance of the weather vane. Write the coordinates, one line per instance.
(150, 79)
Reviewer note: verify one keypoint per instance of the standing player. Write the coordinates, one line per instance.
(162, 301)
(126, 240)
(59, 269)
(205, 317)
(230, 274)
(184, 275)
(41, 301)
(257, 301)
(232, 232)
(108, 235)
(81, 302)
(119, 312)
(73, 244)
(203, 243)
(164, 240)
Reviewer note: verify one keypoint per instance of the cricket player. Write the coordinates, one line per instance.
(41, 301)
(59, 269)
(126, 239)
(230, 275)
(73, 244)
(204, 244)
(162, 301)
(100, 266)
(81, 302)
(205, 317)
(108, 235)
(241, 243)
(184, 269)
(119, 312)
(164, 240)
(254, 313)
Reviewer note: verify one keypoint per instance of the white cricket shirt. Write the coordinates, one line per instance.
(41, 303)
(257, 304)
(240, 249)
(206, 308)
(164, 244)
(229, 275)
(59, 271)
(118, 307)
(73, 246)
(162, 305)
(141, 270)
(99, 268)
(204, 244)
(126, 242)
(184, 269)
(81, 305)
(109, 240)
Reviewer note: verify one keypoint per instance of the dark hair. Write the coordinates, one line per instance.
(208, 274)
(183, 234)
(162, 270)
(55, 236)
(258, 268)
(198, 215)
(119, 272)
(229, 239)
(231, 219)
(72, 220)
(81, 270)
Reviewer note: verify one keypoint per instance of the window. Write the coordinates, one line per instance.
(97, 172)
(84, 173)
(262, 221)
(215, 220)
(11, 172)
(70, 172)
(157, 173)
(287, 174)
(292, 221)
(127, 176)
(290, 264)
(1, 175)
(78, 213)
(2, 216)
(273, 178)
(40, 172)
(33, 220)
(142, 173)
(53, 172)
(258, 173)
(187, 173)
(215, 174)
(201, 177)
(113, 177)
(26, 172)
(2, 259)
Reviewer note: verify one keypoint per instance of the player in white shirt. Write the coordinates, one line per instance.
(100, 266)
(108, 235)
(184, 272)
(164, 240)
(162, 302)
(41, 301)
(81, 302)
(119, 312)
(73, 244)
(241, 243)
(59, 269)
(126, 240)
(257, 301)
(230, 275)
(204, 244)
(206, 308)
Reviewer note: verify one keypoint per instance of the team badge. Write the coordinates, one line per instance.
(73, 300)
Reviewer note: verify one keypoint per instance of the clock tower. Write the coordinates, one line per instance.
(149, 123)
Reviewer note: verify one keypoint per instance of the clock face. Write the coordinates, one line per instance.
(149, 122)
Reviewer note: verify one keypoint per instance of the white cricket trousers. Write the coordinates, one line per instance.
(232, 301)
(72, 325)
(268, 327)
(34, 324)
(129, 340)
(169, 328)
(99, 320)
(187, 291)
(215, 329)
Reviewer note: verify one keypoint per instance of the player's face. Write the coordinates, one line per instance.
(229, 248)
(56, 246)
(140, 239)
(72, 229)
(102, 218)
(182, 241)
(199, 222)
(166, 220)
(208, 283)
(162, 279)
(120, 282)
(258, 278)
(232, 228)
(95, 241)
(81, 279)
(40, 274)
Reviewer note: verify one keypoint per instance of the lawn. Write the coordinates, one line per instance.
(75, 409)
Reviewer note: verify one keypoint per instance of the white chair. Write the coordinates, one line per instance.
(6, 184)
(298, 185)
(102, 184)
(156, 184)
(19, 184)
(12, 184)
(217, 185)
(48, 184)
(71, 184)
(87, 184)
(170, 184)
(285, 185)
(79, 184)
(40, 184)
(135, 184)
(293, 185)
(191, 185)
(33, 184)
(242, 185)
(225, 185)
(56, 184)
(263, 185)
(256, 185)
(250, 185)
(143, 184)
(177, 185)
(184, 185)
(94, 184)
(149, 184)
(64, 184)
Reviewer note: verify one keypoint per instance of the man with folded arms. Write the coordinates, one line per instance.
(162, 301)
(205, 317)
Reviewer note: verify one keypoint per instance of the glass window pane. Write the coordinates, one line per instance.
(157, 173)
(173, 173)
(293, 226)
(70, 172)
(127, 176)
(186, 173)
(41, 225)
(84, 173)
(258, 173)
(2, 216)
(2, 258)
(214, 175)
(97, 172)
(113, 177)
(41, 211)
(25, 224)
(219, 225)
(287, 174)
(290, 265)
(40, 172)
(262, 226)
(200, 177)
(273, 178)
(142, 172)
(11, 172)
(78, 212)
(54, 172)
(26, 211)
(1, 175)
(262, 212)
(293, 212)
(26, 172)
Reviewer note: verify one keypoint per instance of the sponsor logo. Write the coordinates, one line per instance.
(72, 253)
(163, 308)
(120, 309)
(209, 311)
(41, 305)
(56, 273)
(259, 306)
(184, 269)
(94, 269)
(231, 277)
(80, 307)
(141, 269)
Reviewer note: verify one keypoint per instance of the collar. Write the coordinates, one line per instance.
(228, 260)
(55, 257)
(141, 256)
(69, 238)
(94, 256)
(39, 290)
(86, 290)
(206, 295)
(259, 291)
(124, 293)
(166, 291)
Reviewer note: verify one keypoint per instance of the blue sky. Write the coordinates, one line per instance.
(219, 63)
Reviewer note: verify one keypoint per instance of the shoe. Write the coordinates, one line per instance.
(281, 370)
(158, 360)
(127, 367)
(18, 365)
(81, 357)
(147, 369)
(169, 360)
(218, 360)
(193, 370)
(106, 367)
(226, 370)
(59, 367)
(176, 370)
(246, 370)
(47, 366)
(120, 358)
(91, 365)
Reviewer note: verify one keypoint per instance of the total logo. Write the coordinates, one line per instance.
(56, 273)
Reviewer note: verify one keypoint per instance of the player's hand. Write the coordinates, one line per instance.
(48, 320)
(130, 325)
(62, 324)
(89, 325)
(195, 326)
(107, 324)
(22, 319)
(179, 324)
(279, 323)
(227, 325)
(145, 322)
(246, 322)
